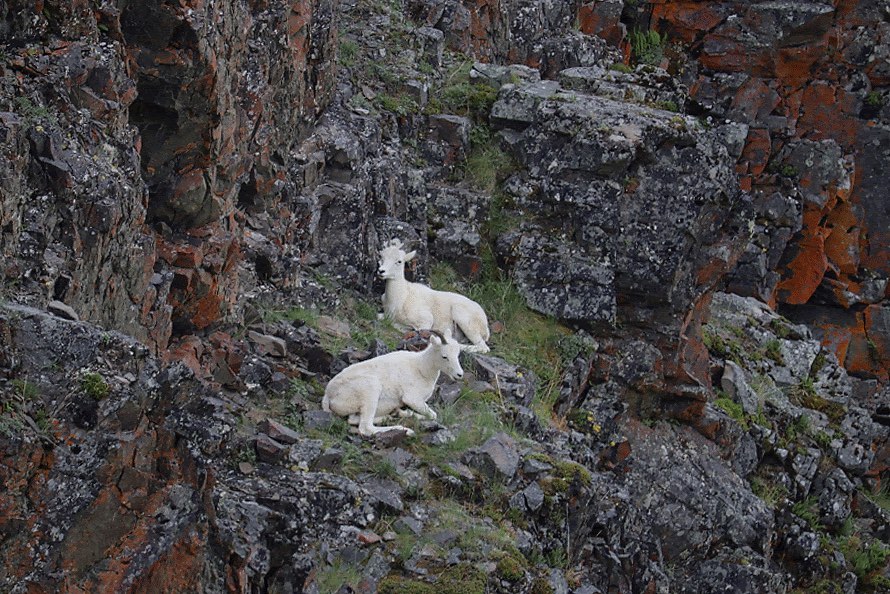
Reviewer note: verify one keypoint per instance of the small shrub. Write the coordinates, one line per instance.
(584, 421)
(557, 558)
(245, 453)
(332, 577)
(771, 493)
(724, 348)
(25, 389)
(647, 47)
(402, 105)
(818, 363)
(773, 351)
(788, 170)
(822, 439)
(94, 385)
(805, 394)
(510, 568)
(866, 559)
(733, 409)
(874, 99)
(569, 471)
(469, 99)
(33, 113)
(667, 105)
(393, 584)
(780, 328)
(619, 67)
(808, 510)
(384, 468)
(541, 586)
(348, 51)
(462, 578)
(796, 428)
(486, 165)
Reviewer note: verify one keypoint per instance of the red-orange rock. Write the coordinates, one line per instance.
(602, 18)
(757, 150)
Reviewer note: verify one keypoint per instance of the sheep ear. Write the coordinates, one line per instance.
(435, 339)
(410, 256)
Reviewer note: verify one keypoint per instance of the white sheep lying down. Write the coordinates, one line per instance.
(418, 306)
(370, 390)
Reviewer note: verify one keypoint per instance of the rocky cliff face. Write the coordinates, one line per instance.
(810, 81)
(205, 186)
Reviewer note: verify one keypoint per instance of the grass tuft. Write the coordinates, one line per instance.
(94, 386)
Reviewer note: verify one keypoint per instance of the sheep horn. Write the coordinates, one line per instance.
(439, 334)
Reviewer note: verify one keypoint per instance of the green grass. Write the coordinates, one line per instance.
(773, 351)
(332, 577)
(808, 510)
(400, 104)
(822, 439)
(724, 347)
(462, 578)
(619, 67)
(364, 326)
(485, 166)
(396, 584)
(478, 538)
(788, 170)
(667, 105)
(511, 568)
(733, 409)
(771, 493)
(881, 498)
(780, 327)
(473, 100)
(473, 418)
(348, 52)
(384, 468)
(501, 217)
(796, 428)
(530, 340)
(805, 395)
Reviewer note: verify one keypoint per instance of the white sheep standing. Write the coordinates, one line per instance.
(370, 390)
(418, 306)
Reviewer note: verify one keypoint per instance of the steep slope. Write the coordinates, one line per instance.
(206, 186)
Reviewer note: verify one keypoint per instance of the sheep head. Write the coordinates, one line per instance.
(391, 264)
(447, 353)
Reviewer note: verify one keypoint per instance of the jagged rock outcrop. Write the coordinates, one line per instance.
(628, 216)
(810, 80)
(199, 110)
(132, 487)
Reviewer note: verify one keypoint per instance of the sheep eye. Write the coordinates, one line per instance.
(444, 356)
(399, 262)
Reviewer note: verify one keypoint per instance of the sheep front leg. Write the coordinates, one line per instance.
(421, 408)
(367, 416)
